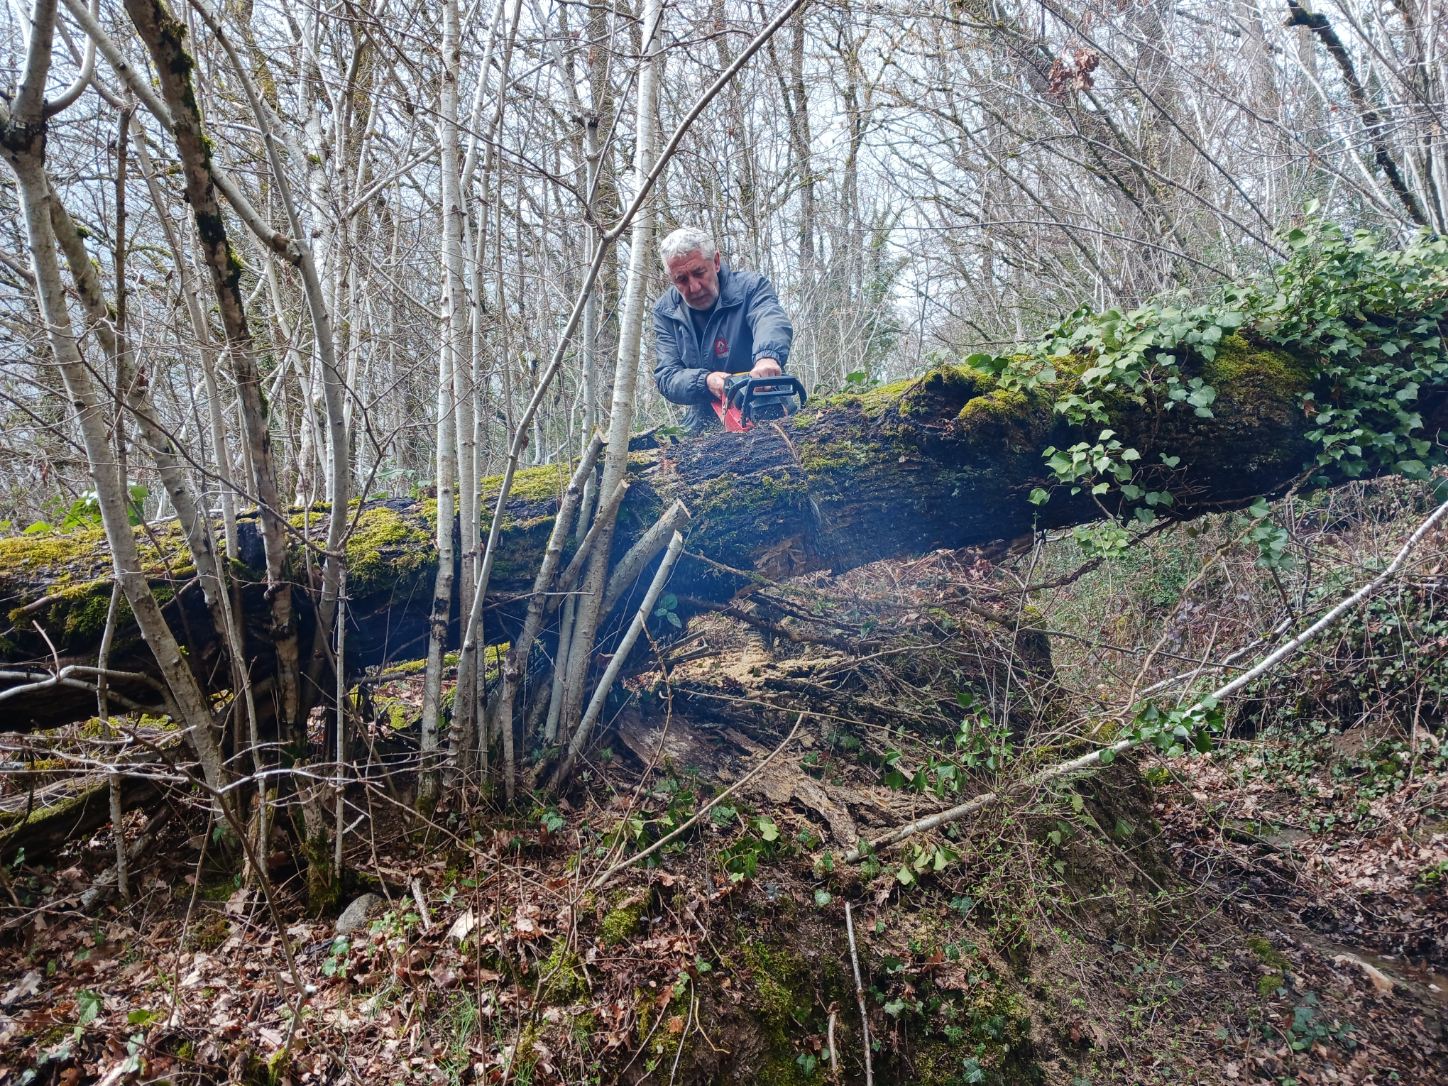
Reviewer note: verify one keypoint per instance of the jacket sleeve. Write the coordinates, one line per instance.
(767, 321)
(677, 382)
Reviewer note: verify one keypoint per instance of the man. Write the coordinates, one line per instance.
(713, 322)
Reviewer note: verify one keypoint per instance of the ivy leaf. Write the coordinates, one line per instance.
(89, 1005)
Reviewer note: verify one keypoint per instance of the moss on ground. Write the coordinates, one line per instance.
(785, 987)
(624, 920)
(560, 975)
(1266, 953)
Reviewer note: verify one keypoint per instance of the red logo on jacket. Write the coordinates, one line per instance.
(721, 347)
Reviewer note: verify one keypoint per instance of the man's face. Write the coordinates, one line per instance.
(696, 278)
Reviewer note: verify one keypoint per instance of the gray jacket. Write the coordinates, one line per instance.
(746, 324)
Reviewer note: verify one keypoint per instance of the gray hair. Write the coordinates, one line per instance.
(686, 240)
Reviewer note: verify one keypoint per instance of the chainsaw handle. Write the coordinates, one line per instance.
(753, 393)
(748, 399)
(742, 388)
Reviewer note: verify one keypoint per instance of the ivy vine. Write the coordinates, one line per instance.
(1371, 314)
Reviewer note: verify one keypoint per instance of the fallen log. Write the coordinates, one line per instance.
(38, 825)
(949, 459)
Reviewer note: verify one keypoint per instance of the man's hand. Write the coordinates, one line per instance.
(766, 367)
(716, 384)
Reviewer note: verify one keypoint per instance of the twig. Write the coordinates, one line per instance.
(835, 1073)
(604, 879)
(859, 994)
(103, 711)
(421, 905)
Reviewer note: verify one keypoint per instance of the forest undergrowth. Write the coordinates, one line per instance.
(1269, 911)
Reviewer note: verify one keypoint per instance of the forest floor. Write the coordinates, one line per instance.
(1274, 911)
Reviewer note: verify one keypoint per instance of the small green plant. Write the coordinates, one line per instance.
(1175, 731)
(85, 512)
(668, 610)
(1434, 875)
(335, 963)
(924, 859)
(1270, 538)
(760, 841)
(1309, 1027)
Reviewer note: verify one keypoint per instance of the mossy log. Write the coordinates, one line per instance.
(58, 815)
(949, 459)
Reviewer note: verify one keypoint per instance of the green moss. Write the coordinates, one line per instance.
(87, 618)
(54, 551)
(324, 882)
(208, 932)
(623, 920)
(387, 549)
(394, 713)
(659, 1043)
(61, 808)
(1267, 986)
(1253, 384)
(560, 975)
(783, 1069)
(220, 890)
(784, 988)
(835, 458)
(996, 406)
(872, 402)
(983, 1036)
(1238, 362)
(945, 386)
(76, 613)
(543, 483)
(1266, 953)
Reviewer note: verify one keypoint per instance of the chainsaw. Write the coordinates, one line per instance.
(748, 400)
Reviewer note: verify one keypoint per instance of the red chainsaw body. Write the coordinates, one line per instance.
(748, 400)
